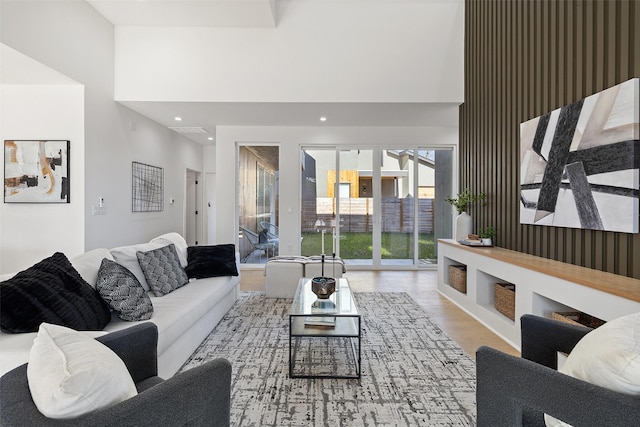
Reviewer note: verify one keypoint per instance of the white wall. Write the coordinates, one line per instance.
(73, 39)
(321, 51)
(30, 232)
(291, 139)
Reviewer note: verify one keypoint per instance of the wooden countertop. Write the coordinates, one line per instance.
(622, 286)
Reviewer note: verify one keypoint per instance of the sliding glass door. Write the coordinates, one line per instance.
(375, 207)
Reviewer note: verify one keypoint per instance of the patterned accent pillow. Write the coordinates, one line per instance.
(162, 269)
(123, 292)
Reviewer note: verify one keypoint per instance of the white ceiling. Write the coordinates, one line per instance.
(192, 13)
(208, 115)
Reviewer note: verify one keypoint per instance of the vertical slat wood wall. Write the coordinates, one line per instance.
(524, 59)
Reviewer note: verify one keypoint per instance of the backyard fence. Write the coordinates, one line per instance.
(356, 215)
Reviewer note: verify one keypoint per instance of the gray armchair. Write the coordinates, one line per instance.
(514, 391)
(197, 397)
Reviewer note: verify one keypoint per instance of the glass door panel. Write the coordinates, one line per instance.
(355, 219)
(258, 170)
(397, 206)
(318, 207)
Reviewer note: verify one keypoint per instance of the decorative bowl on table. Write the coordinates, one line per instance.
(323, 287)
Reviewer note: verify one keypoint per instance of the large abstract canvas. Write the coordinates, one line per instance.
(580, 163)
(36, 171)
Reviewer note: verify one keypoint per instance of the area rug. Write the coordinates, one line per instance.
(413, 374)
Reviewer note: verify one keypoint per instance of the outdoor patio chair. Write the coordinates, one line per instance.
(254, 240)
(273, 233)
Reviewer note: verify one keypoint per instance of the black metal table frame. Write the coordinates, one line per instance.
(357, 358)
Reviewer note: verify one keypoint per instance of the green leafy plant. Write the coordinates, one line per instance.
(487, 233)
(465, 200)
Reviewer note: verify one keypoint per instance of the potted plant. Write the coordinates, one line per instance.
(486, 235)
(464, 200)
(462, 205)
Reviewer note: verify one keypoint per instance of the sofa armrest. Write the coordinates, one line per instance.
(137, 346)
(507, 386)
(543, 338)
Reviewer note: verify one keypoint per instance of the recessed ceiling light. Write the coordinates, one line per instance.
(178, 119)
(323, 119)
(210, 138)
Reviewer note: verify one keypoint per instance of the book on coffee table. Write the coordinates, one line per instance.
(321, 306)
(326, 321)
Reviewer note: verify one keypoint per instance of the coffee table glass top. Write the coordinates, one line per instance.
(340, 303)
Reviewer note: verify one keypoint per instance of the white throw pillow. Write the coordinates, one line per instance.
(608, 356)
(88, 264)
(71, 374)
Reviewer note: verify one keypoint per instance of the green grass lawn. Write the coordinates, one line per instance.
(359, 245)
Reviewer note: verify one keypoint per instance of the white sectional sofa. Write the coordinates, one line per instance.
(184, 317)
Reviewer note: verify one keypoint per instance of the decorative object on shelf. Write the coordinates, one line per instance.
(464, 222)
(458, 278)
(37, 171)
(323, 286)
(147, 188)
(504, 297)
(580, 160)
(464, 225)
(486, 235)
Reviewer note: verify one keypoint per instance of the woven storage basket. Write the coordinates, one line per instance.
(458, 278)
(578, 318)
(504, 297)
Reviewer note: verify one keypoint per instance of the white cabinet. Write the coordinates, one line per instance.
(542, 287)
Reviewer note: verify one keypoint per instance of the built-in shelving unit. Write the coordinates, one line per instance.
(542, 286)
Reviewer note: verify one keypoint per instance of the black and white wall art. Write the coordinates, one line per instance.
(580, 163)
(37, 171)
(147, 188)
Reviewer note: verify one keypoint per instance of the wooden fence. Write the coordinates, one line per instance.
(357, 214)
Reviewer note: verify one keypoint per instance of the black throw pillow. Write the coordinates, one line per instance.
(211, 261)
(51, 291)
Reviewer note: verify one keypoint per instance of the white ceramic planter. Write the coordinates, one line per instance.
(464, 226)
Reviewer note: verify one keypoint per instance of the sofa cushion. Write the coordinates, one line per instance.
(126, 256)
(88, 264)
(609, 357)
(122, 291)
(162, 269)
(211, 261)
(70, 374)
(50, 291)
(178, 241)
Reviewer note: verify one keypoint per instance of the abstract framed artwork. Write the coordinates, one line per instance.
(37, 171)
(580, 163)
(147, 188)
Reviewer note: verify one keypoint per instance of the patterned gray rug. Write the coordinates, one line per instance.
(413, 374)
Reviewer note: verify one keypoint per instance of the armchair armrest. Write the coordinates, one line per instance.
(507, 386)
(137, 346)
(543, 338)
(200, 396)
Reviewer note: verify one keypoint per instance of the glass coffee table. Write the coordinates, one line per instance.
(334, 318)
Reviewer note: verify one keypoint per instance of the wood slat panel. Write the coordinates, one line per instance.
(523, 59)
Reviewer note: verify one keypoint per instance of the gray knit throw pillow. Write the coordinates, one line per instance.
(162, 269)
(123, 292)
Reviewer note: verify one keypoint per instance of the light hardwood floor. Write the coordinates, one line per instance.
(422, 287)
